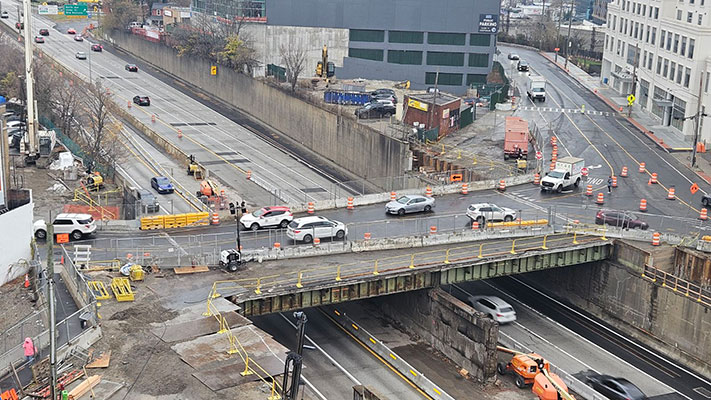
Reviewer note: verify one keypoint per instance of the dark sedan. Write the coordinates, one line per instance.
(615, 388)
(131, 68)
(375, 110)
(620, 219)
(44, 32)
(142, 100)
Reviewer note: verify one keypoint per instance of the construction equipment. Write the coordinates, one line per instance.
(194, 168)
(325, 68)
(230, 260)
(533, 369)
(402, 85)
(209, 191)
(136, 273)
(95, 181)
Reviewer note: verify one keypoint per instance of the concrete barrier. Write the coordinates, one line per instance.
(358, 246)
(402, 366)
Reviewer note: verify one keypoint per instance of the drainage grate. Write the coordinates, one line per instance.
(193, 124)
(313, 190)
(703, 391)
(110, 77)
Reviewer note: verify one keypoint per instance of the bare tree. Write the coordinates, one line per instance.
(66, 106)
(98, 134)
(294, 59)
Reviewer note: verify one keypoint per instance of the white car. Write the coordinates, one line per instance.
(76, 225)
(513, 56)
(307, 228)
(268, 216)
(484, 212)
(497, 309)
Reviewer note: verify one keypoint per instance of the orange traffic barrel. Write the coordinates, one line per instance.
(654, 177)
(537, 179)
(642, 168)
(465, 188)
(393, 196)
(552, 165)
(433, 230)
(624, 172)
(317, 241)
(277, 245)
(588, 190)
(350, 203)
(672, 194)
(366, 236)
(428, 191)
(310, 208)
(502, 185)
(215, 219)
(614, 181)
(249, 174)
(656, 239)
(475, 226)
(703, 215)
(600, 198)
(643, 205)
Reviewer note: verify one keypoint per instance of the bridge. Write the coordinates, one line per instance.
(285, 285)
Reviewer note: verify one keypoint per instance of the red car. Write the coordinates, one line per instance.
(71, 31)
(131, 68)
(96, 47)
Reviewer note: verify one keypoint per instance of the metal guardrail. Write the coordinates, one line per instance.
(678, 285)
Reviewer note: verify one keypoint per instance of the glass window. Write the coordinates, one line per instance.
(366, 35)
(478, 60)
(644, 9)
(650, 60)
(689, 16)
(669, 41)
(678, 112)
(661, 39)
(366, 54)
(643, 93)
(631, 55)
(676, 42)
(614, 22)
(672, 71)
(659, 65)
(706, 87)
(687, 78)
(405, 57)
(654, 35)
(636, 29)
(691, 1)
(692, 42)
(445, 58)
(665, 72)
(405, 37)
(682, 49)
(659, 94)
(701, 18)
(446, 38)
(656, 12)
(646, 38)
(476, 79)
(444, 79)
(479, 39)
(679, 73)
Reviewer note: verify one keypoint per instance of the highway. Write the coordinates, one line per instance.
(229, 150)
(583, 345)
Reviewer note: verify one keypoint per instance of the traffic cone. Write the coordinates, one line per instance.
(249, 174)
(654, 177)
(310, 208)
(643, 205)
(475, 225)
(502, 185)
(588, 190)
(27, 281)
(624, 172)
(672, 194)
(704, 214)
(600, 198)
(350, 203)
(465, 188)
(656, 239)
(428, 191)
(642, 168)
(552, 165)
(537, 179)
(393, 196)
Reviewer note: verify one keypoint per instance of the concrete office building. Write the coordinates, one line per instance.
(655, 48)
(404, 39)
(394, 40)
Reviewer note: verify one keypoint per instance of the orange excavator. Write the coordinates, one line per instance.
(533, 369)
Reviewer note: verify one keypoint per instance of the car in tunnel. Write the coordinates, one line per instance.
(494, 307)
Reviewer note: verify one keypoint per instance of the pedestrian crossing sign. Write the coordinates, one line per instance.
(630, 99)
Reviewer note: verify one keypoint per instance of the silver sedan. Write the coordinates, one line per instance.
(410, 204)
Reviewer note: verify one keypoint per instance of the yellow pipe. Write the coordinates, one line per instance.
(412, 261)
(513, 247)
(375, 270)
(298, 282)
(446, 257)
(575, 237)
(481, 248)
(258, 290)
(544, 247)
(338, 273)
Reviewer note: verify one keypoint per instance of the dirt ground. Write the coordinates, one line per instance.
(16, 302)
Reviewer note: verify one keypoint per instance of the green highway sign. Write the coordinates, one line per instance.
(78, 10)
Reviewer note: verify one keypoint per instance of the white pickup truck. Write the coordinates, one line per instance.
(566, 175)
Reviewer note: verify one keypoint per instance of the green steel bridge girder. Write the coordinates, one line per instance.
(444, 274)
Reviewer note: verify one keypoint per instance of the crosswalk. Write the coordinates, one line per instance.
(567, 111)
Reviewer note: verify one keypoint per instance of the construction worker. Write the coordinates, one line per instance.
(29, 348)
(520, 153)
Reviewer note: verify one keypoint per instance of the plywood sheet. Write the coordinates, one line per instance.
(101, 362)
(231, 375)
(190, 270)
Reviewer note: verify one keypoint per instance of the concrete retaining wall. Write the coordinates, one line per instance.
(353, 149)
(450, 326)
(667, 321)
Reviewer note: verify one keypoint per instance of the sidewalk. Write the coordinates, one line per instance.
(663, 136)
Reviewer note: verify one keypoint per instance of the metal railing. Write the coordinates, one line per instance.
(680, 286)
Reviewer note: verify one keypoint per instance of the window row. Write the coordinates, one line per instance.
(636, 30)
(690, 17)
(669, 70)
(641, 9)
(413, 57)
(677, 44)
(452, 39)
(449, 79)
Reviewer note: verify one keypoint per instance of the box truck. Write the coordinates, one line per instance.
(516, 139)
(566, 175)
(536, 88)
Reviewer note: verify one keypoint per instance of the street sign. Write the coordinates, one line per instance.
(584, 171)
(539, 155)
(694, 188)
(213, 70)
(557, 49)
(47, 10)
(630, 99)
(75, 10)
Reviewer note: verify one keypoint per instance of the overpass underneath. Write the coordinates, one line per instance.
(293, 284)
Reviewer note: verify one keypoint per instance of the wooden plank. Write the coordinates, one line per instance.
(190, 270)
(84, 387)
(101, 362)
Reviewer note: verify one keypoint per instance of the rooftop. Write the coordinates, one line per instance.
(441, 98)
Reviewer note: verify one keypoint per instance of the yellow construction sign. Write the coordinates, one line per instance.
(417, 104)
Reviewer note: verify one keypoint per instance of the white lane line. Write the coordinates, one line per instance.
(309, 384)
(328, 356)
(595, 345)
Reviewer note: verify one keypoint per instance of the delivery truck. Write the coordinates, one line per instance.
(566, 175)
(536, 88)
(516, 138)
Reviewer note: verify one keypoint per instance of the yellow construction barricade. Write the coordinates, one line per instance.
(122, 289)
(99, 290)
(175, 221)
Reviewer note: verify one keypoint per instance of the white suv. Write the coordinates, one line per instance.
(307, 228)
(484, 212)
(76, 225)
(268, 216)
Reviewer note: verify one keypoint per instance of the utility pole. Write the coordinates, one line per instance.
(634, 77)
(29, 81)
(434, 101)
(52, 311)
(557, 40)
(698, 120)
(570, 25)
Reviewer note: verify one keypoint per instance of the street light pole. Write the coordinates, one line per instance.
(570, 25)
(698, 121)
